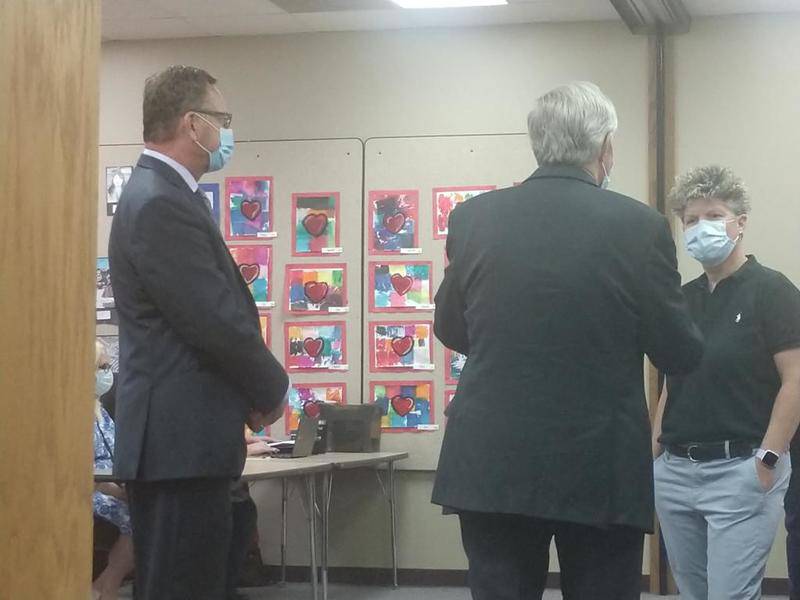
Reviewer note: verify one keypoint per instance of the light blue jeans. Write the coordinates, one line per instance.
(718, 523)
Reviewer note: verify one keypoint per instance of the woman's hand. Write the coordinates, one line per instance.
(658, 449)
(766, 477)
(260, 448)
(113, 490)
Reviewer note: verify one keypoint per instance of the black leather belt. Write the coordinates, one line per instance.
(715, 451)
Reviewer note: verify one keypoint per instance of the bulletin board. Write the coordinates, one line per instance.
(345, 179)
(322, 174)
(397, 170)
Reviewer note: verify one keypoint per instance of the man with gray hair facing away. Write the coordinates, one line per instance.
(555, 291)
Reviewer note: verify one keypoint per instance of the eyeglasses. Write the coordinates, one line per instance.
(224, 117)
(104, 367)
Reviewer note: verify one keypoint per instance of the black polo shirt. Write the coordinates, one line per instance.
(751, 316)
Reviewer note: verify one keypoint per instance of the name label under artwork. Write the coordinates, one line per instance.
(424, 367)
(410, 250)
(103, 315)
(339, 367)
(266, 304)
(267, 234)
(338, 309)
(425, 307)
(431, 427)
(332, 250)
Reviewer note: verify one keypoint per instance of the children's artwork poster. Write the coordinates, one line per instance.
(255, 266)
(394, 222)
(116, 179)
(266, 328)
(111, 343)
(248, 208)
(400, 346)
(315, 224)
(211, 190)
(405, 405)
(316, 346)
(400, 286)
(308, 398)
(318, 288)
(454, 362)
(445, 199)
(105, 309)
(448, 398)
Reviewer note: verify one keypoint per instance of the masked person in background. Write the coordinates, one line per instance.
(109, 500)
(723, 431)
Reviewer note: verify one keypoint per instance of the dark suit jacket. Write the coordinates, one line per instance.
(192, 359)
(554, 291)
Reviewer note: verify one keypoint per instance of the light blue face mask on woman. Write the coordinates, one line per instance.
(219, 157)
(708, 242)
(103, 382)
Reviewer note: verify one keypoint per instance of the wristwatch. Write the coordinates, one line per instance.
(767, 457)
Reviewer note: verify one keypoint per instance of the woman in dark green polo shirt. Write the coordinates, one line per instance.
(722, 432)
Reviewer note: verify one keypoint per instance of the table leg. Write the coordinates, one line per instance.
(393, 517)
(284, 503)
(311, 490)
(327, 486)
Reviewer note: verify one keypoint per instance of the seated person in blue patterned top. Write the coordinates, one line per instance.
(109, 500)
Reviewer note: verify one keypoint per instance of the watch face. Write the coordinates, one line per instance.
(770, 459)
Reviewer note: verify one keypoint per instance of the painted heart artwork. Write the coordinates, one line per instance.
(315, 345)
(398, 346)
(405, 405)
(445, 199)
(308, 398)
(249, 272)
(400, 286)
(248, 207)
(394, 223)
(402, 345)
(394, 220)
(311, 409)
(316, 291)
(255, 266)
(315, 223)
(315, 288)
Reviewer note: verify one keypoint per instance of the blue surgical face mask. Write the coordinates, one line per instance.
(219, 157)
(103, 382)
(606, 177)
(709, 243)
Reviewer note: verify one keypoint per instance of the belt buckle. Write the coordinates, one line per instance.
(689, 452)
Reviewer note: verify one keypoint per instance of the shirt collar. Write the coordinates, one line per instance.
(742, 273)
(179, 168)
(564, 172)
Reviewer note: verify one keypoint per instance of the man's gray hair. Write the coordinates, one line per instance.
(712, 181)
(569, 124)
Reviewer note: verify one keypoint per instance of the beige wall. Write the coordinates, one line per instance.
(736, 91)
(738, 87)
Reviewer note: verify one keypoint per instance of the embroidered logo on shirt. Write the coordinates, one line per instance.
(738, 318)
